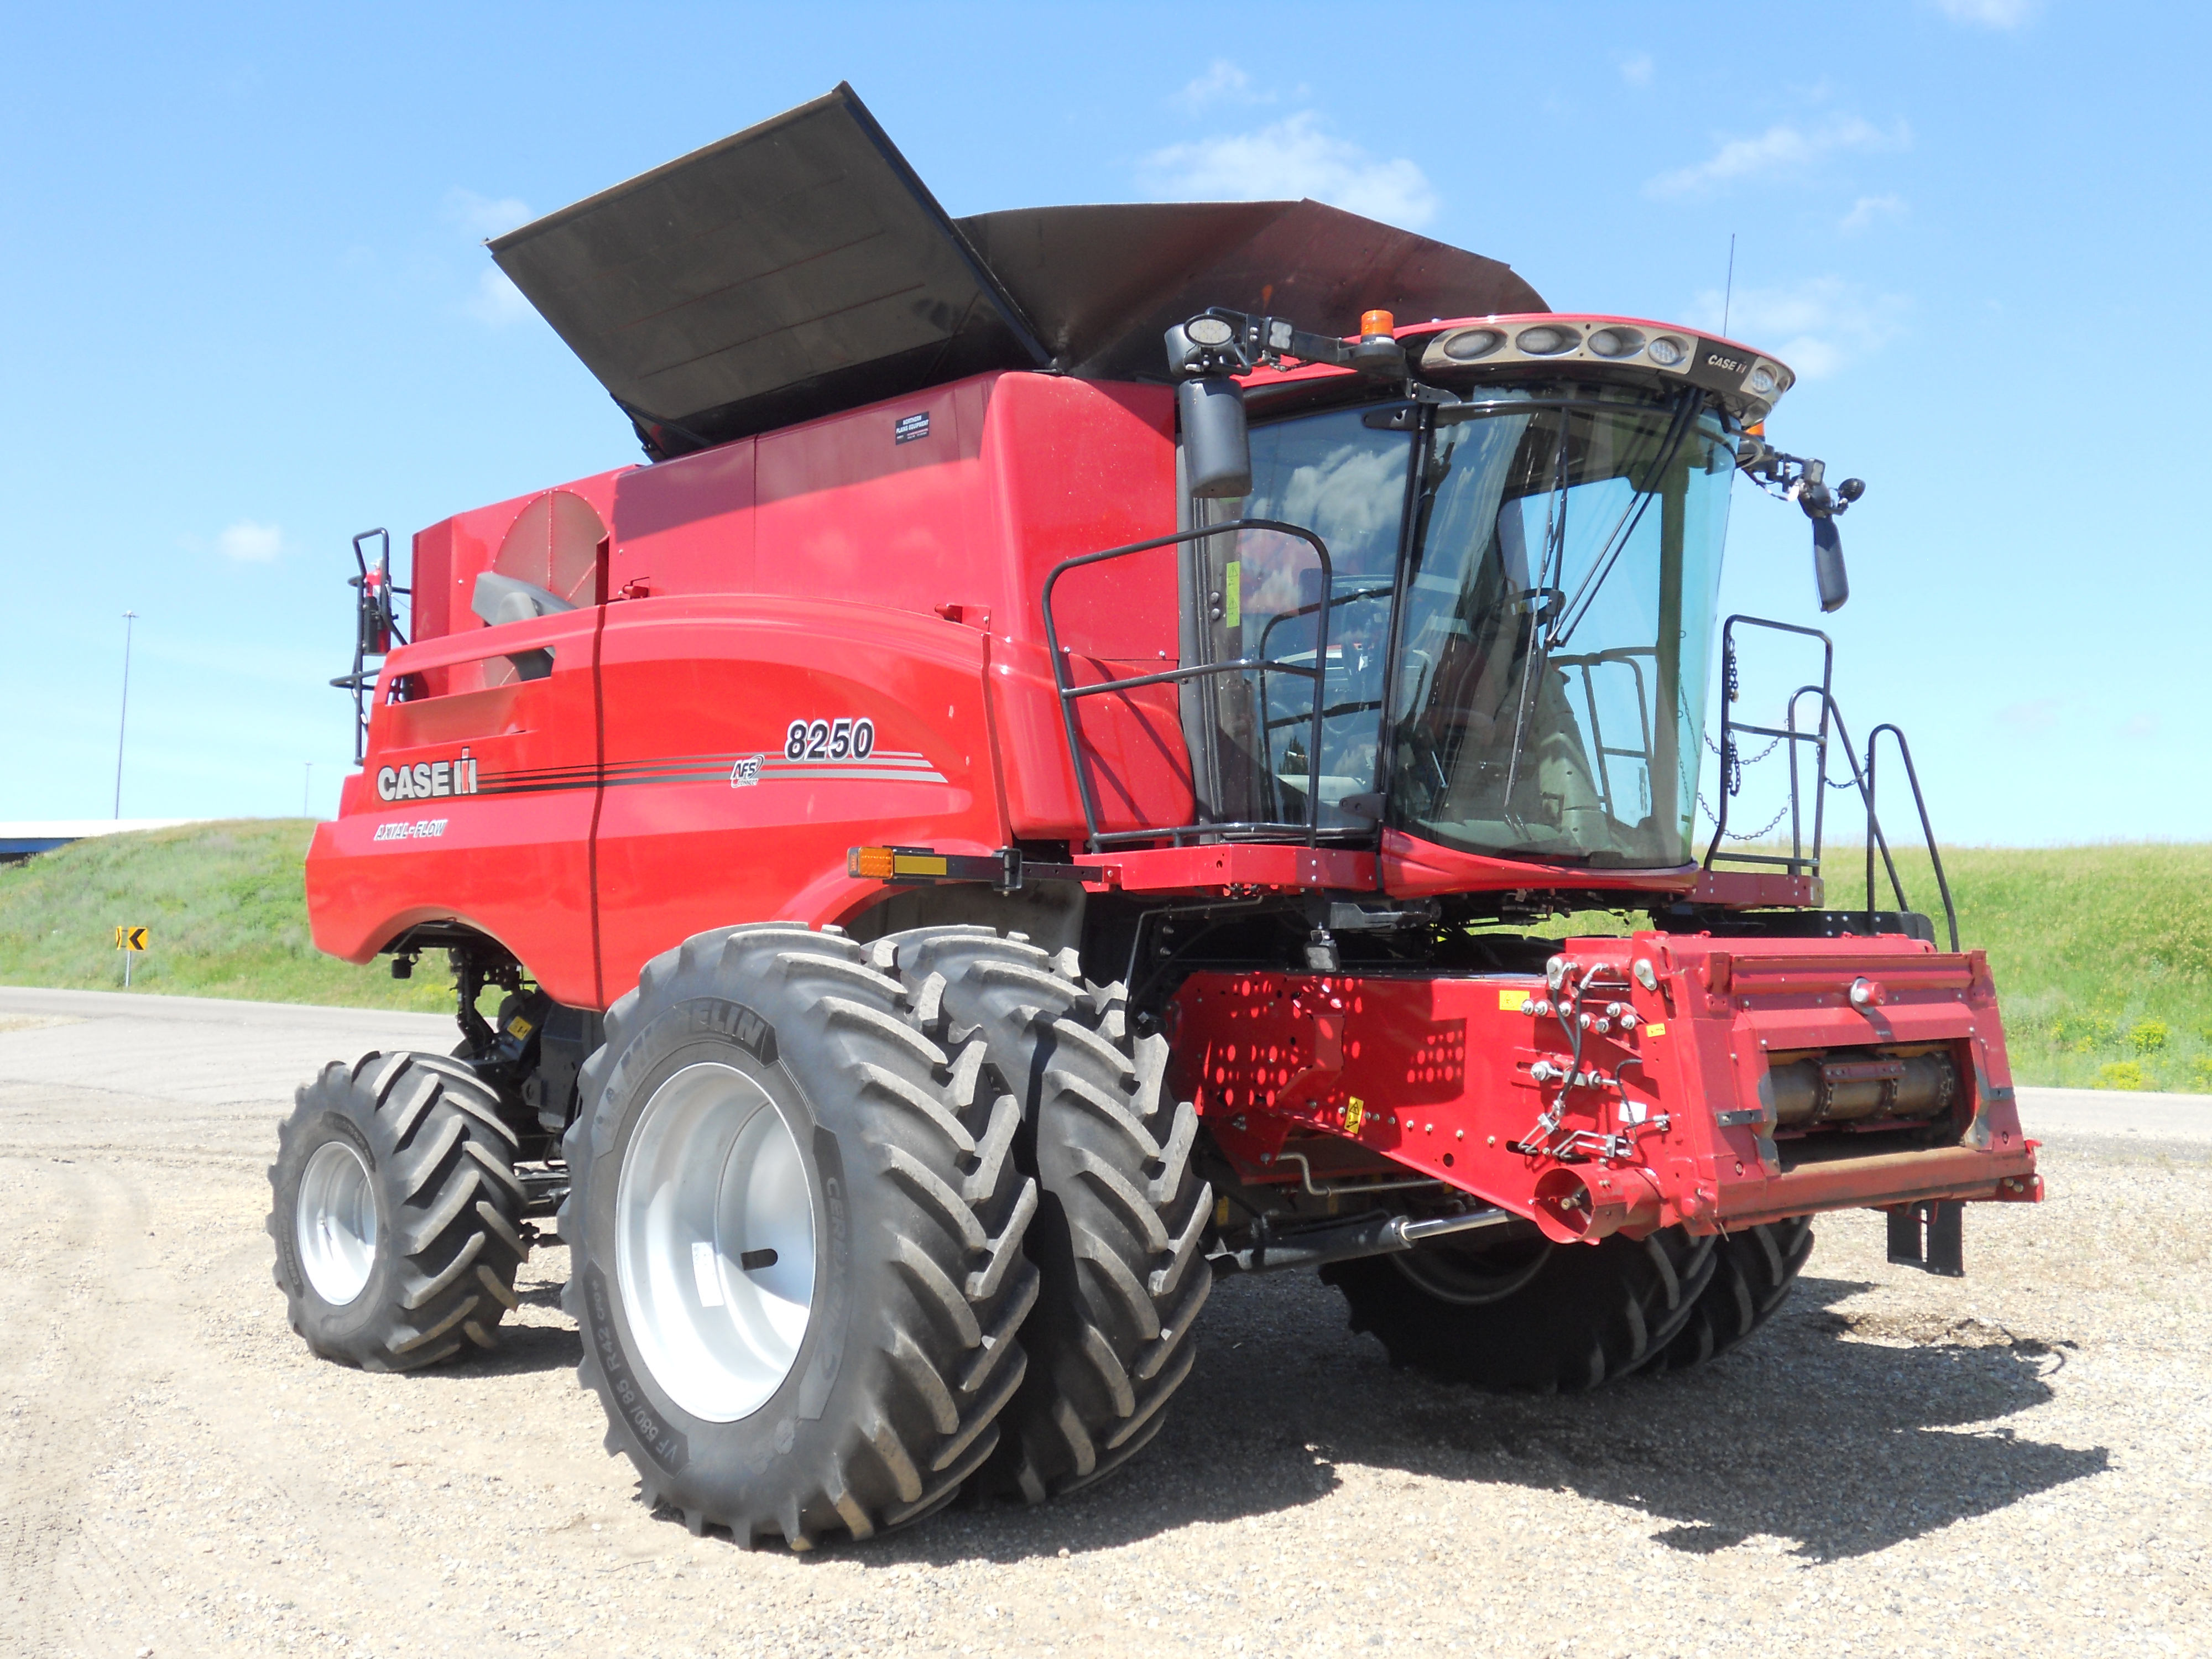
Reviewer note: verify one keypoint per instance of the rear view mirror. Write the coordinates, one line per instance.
(1217, 453)
(1828, 565)
(374, 618)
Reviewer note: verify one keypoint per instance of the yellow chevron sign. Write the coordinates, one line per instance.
(130, 938)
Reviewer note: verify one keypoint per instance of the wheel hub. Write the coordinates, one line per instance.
(715, 1242)
(335, 1222)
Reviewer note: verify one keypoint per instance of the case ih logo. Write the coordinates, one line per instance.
(428, 780)
(1730, 365)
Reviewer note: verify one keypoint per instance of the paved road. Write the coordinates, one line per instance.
(2019, 1460)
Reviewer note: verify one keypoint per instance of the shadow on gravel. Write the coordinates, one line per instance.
(522, 1350)
(1812, 1433)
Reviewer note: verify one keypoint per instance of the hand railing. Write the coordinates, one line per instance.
(1098, 841)
(1798, 863)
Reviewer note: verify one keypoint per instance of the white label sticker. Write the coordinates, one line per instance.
(417, 831)
(746, 773)
(707, 1269)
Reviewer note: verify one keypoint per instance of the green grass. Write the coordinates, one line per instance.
(2103, 955)
(227, 915)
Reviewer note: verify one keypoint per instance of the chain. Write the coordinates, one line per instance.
(1750, 834)
(1748, 760)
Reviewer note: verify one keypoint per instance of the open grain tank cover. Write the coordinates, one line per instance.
(796, 268)
(801, 267)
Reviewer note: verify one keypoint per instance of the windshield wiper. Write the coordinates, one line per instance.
(1571, 614)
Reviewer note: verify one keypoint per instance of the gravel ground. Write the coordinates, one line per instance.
(1899, 1464)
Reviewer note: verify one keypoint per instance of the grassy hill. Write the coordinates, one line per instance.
(226, 912)
(2103, 955)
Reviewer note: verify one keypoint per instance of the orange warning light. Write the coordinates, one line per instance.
(1375, 322)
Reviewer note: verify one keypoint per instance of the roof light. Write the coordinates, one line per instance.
(1547, 341)
(1208, 332)
(1617, 341)
(1762, 380)
(1469, 344)
(1667, 351)
(1375, 322)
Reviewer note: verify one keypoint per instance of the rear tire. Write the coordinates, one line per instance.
(797, 1226)
(1753, 1272)
(1524, 1314)
(1121, 1213)
(396, 1214)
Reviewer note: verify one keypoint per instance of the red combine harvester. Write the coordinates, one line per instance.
(997, 825)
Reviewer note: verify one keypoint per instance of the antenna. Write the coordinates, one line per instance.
(1729, 297)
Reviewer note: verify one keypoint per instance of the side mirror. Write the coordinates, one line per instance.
(1828, 565)
(1216, 451)
(373, 632)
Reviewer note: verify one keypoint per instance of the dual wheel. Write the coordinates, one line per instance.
(856, 1228)
(1530, 1315)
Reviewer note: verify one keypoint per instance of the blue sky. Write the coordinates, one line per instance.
(244, 312)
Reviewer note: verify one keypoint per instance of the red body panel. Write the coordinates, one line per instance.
(838, 570)
(514, 857)
(1362, 1074)
(707, 815)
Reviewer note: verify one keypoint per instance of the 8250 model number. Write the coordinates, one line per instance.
(819, 739)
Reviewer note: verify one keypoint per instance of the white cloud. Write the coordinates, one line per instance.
(248, 542)
(1867, 209)
(1988, 13)
(1637, 71)
(1224, 83)
(497, 301)
(1291, 158)
(1778, 152)
(1816, 326)
(483, 217)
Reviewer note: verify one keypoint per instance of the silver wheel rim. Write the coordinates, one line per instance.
(335, 1222)
(713, 1181)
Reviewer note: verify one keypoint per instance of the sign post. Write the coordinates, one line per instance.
(130, 941)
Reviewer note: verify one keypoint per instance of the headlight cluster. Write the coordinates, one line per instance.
(1750, 383)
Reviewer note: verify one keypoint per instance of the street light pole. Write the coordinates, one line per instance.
(123, 720)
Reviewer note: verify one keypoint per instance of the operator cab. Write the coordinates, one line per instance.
(1524, 529)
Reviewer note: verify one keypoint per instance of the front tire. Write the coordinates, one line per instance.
(797, 1227)
(396, 1214)
(1754, 1270)
(1527, 1315)
(1121, 1212)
